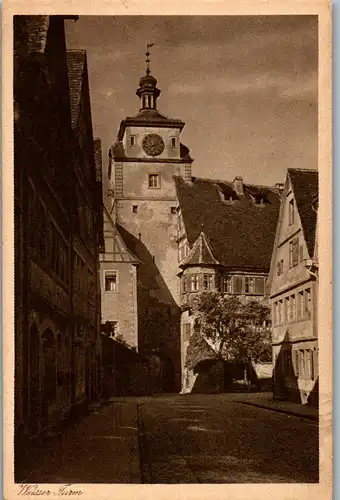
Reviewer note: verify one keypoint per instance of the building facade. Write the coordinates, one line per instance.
(225, 245)
(51, 377)
(118, 279)
(293, 289)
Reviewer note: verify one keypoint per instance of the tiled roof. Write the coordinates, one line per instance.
(151, 115)
(240, 232)
(200, 254)
(305, 185)
(76, 64)
(37, 28)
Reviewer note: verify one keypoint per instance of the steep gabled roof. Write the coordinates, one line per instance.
(200, 254)
(76, 64)
(116, 249)
(305, 185)
(240, 232)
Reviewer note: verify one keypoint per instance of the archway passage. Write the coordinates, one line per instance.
(161, 373)
(34, 379)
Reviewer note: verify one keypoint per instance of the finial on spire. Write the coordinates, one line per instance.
(147, 60)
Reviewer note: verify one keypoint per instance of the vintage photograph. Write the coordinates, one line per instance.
(166, 262)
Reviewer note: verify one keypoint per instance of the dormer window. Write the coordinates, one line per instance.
(227, 193)
(259, 198)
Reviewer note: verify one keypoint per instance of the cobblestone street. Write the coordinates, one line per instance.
(180, 439)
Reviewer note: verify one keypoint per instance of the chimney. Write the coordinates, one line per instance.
(238, 186)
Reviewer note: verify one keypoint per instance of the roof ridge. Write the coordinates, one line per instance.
(212, 180)
(207, 242)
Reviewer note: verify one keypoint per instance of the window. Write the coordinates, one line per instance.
(173, 142)
(302, 363)
(153, 181)
(291, 212)
(279, 267)
(287, 309)
(111, 282)
(301, 253)
(227, 284)
(207, 281)
(294, 252)
(134, 209)
(173, 210)
(182, 250)
(194, 283)
(309, 364)
(300, 305)
(280, 311)
(259, 286)
(307, 302)
(293, 308)
(132, 140)
(249, 285)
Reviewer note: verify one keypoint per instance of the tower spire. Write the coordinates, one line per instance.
(148, 92)
(147, 60)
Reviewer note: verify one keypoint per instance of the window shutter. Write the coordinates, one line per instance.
(259, 286)
(238, 284)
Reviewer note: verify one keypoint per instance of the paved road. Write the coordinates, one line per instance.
(210, 439)
(180, 439)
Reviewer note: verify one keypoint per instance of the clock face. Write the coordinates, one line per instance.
(153, 144)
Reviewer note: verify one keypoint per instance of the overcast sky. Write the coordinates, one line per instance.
(246, 87)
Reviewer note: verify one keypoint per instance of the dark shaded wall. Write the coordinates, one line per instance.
(46, 226)
(158, 321)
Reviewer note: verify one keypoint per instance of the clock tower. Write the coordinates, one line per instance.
(147, 154)
(145, 158)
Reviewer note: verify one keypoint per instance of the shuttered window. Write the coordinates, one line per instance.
(238, 284)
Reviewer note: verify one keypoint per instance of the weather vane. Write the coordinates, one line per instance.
(147, 60)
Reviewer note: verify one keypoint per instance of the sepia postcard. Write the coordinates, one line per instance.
(167, 249)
